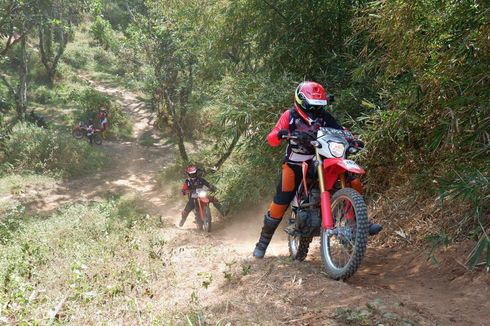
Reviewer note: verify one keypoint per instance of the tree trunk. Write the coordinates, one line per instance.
(180, 142)
(176, 126)
(21, 99)
(48, 58)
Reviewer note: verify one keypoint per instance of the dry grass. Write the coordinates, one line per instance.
(411, 218)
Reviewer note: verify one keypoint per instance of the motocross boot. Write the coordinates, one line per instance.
(270, 225)
(374, 228)
(183, 218)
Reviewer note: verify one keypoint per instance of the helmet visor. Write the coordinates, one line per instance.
(312, 107)
(312, 104)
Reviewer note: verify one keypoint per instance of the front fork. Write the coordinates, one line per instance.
(201, 210)
(327, 220)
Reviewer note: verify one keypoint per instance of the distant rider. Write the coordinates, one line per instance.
(104, 121)
(190, 185)
(303, 119)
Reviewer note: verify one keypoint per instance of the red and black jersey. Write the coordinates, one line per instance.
(191, 184)
(297, 120)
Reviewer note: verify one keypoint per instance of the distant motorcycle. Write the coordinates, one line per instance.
(82, 130)
(202, 212)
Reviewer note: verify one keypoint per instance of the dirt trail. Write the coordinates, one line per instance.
(133, 166)
(392, 287)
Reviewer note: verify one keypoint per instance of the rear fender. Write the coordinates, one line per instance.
(333, 167)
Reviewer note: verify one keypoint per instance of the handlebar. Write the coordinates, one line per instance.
(355, 145)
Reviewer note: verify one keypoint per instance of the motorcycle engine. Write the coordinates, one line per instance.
(308, 219)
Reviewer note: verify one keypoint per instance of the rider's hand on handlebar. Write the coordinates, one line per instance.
(282, 134)
(304, 137)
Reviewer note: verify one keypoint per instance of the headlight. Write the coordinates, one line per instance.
(337, 149)
(202, 194)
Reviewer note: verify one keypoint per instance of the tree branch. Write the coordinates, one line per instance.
(9, 86)
(10, 43)
(61, 49)
(44, 57)
(228, 152)
(133, 18)
(276, 10)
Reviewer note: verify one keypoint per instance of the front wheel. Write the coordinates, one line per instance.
(207, 219)
(343, 248)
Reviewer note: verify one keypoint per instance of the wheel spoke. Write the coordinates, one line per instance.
(342, 244)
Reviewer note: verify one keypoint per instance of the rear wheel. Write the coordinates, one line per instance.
(298, 245)
(343, 247)
(207, 219)
(97, 139)
(77, 133)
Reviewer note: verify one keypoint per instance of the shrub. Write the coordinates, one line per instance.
(105, 60)
(30, 148)
(5, 104)
(102, 31)
(75, 58)
(41, 94)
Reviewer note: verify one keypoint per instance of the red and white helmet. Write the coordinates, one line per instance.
(191, 171)
(310, 96)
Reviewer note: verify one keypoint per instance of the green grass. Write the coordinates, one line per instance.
(88, 254)
(104, 262)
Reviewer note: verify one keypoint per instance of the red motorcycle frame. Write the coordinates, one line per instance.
(202, 210)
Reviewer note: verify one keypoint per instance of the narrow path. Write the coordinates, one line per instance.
(134, 167)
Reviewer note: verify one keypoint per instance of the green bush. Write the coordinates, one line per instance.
(105, 60)
(33, 149)
(102, 31)
(90, 100)
(5, 104)
(76, 58)
(41, 94)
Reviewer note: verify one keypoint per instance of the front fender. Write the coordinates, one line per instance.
(333, 167)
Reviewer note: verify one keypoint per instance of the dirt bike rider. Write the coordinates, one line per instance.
(190, 185)
(306, 116)
(104, 121)
(90, 130)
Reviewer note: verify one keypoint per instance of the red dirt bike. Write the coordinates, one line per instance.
(202, 212)
(81, 130)
(340, 219)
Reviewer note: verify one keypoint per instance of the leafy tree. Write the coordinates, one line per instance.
(17, 20)
(54, 25)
